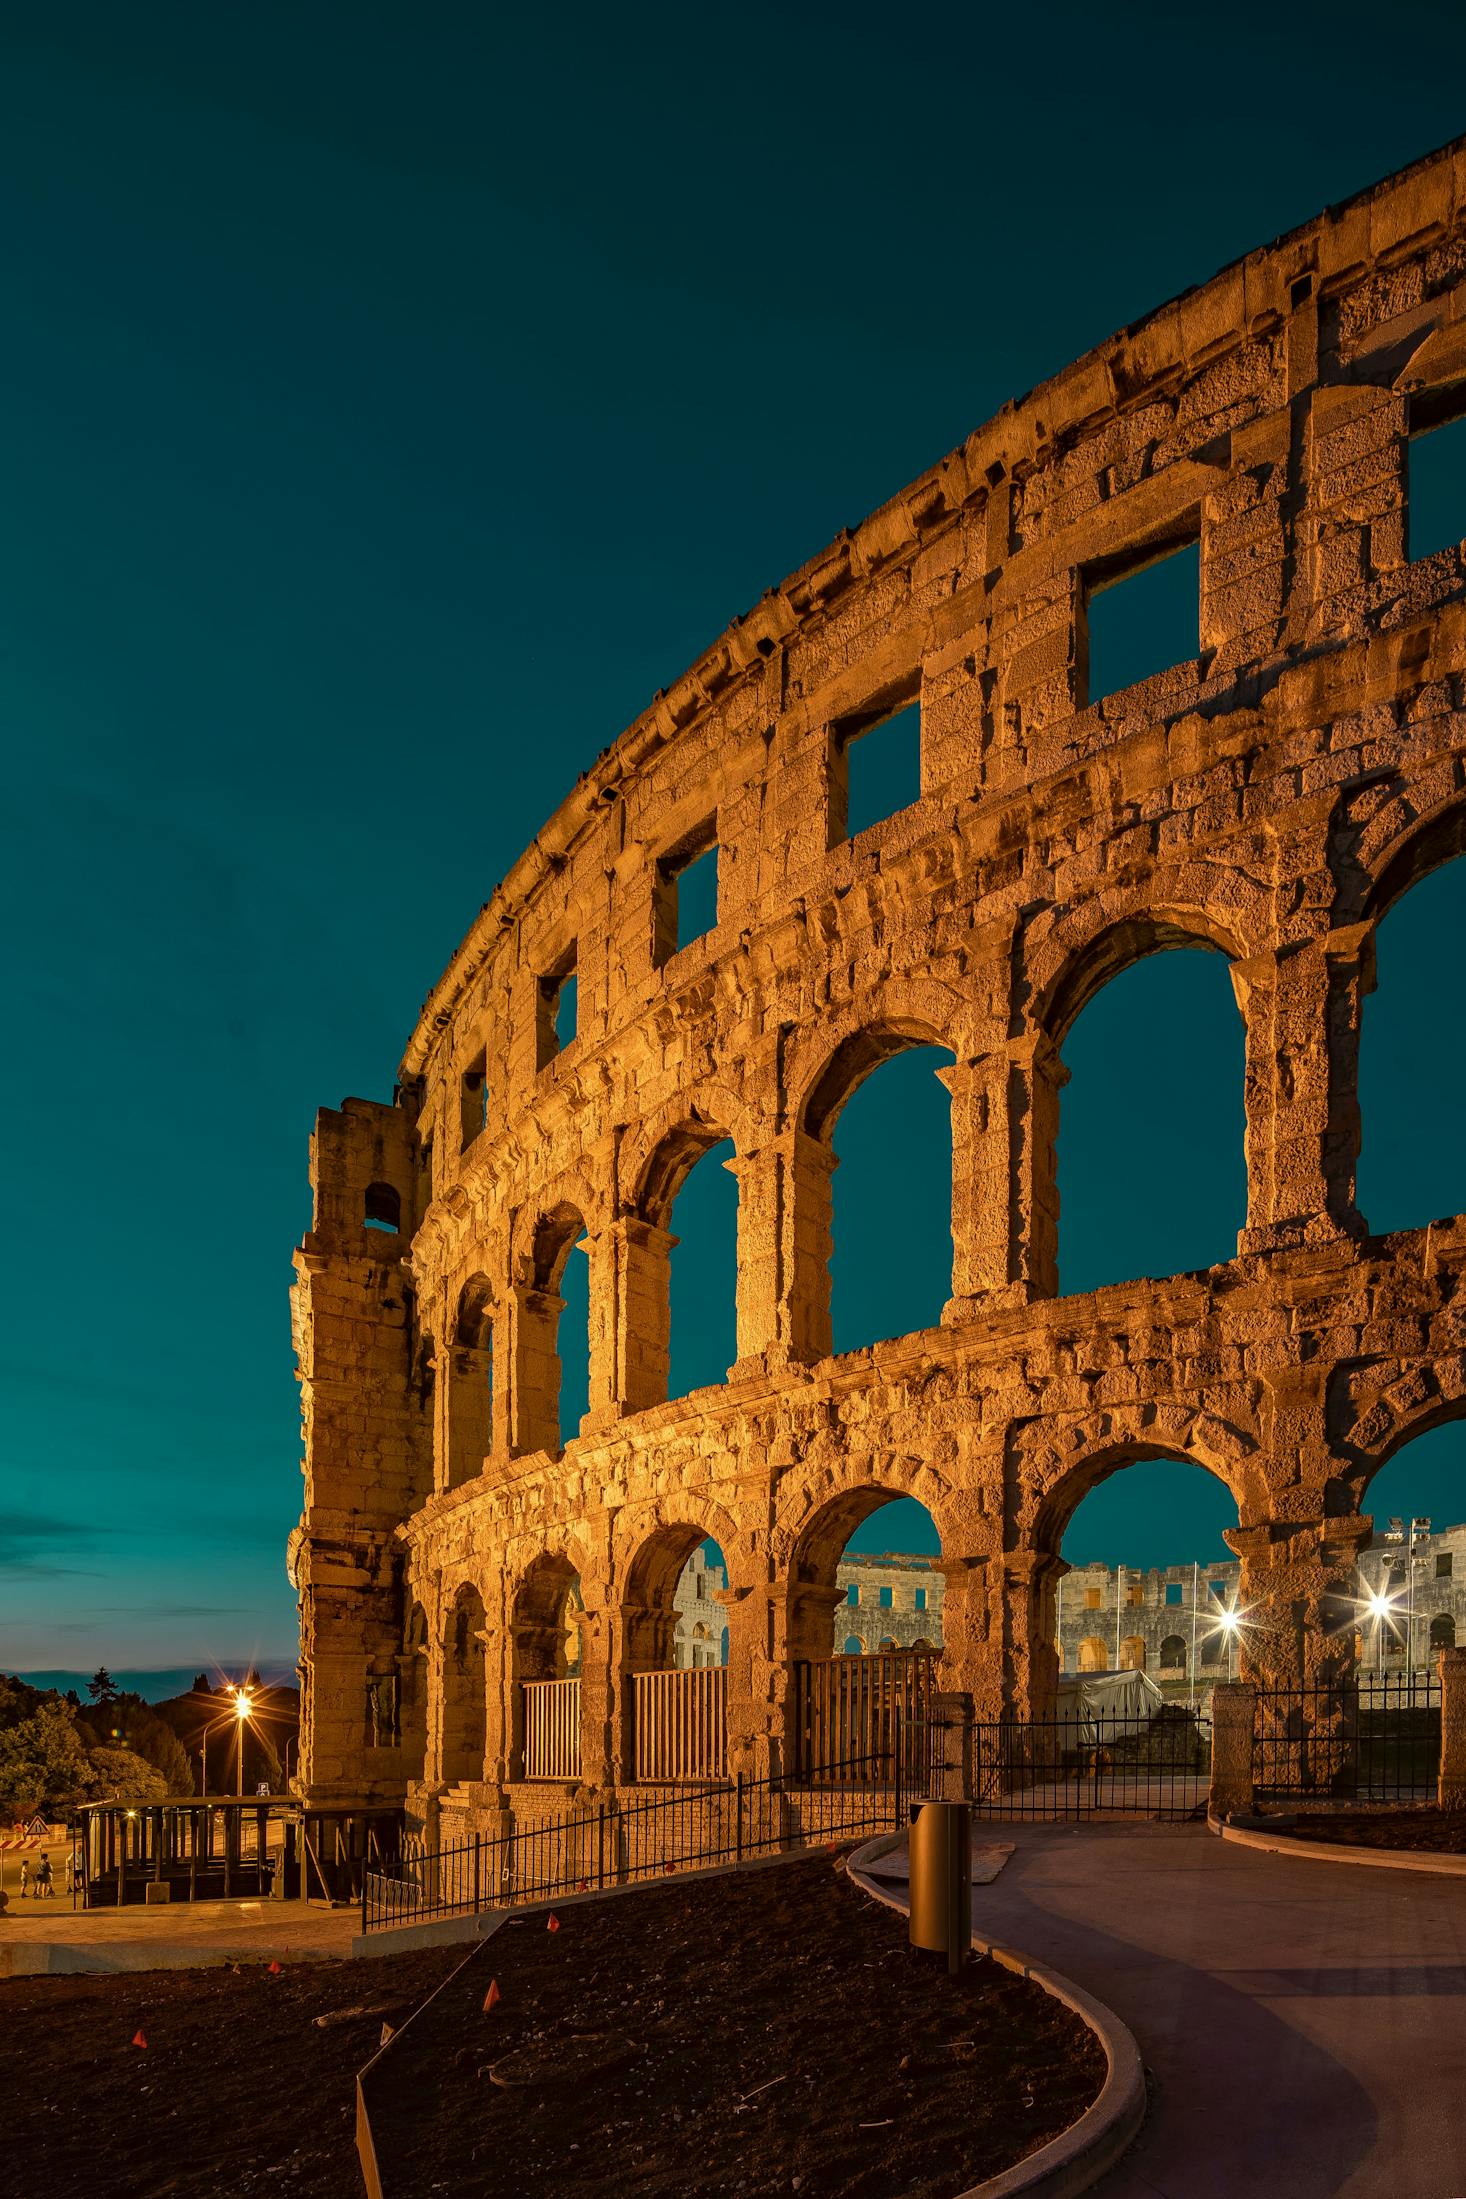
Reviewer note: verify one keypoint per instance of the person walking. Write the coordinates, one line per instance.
(25, 1876)
(44, 1888)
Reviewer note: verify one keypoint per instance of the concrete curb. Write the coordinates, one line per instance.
(1087, 2150)
(1338, 1851)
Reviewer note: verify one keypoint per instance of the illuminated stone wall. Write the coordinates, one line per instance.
(1268, 798)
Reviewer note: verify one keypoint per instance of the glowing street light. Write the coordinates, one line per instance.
(1230, 1622)
(243, 1705)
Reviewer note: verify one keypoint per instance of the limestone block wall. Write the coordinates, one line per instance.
(1267, 799)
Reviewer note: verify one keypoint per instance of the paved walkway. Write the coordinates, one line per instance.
(49, 1937)
(1304, 2023)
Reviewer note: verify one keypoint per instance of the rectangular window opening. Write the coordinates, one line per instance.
(875, 769)
(557, 1010)
(1141, 618)
(1443, 1565)
(1435, 482)
(852, 1596)
(885, 1599)
(473, 1101)
(921, 1599)
(687, 893)
(1092, 1599)
(1173, 1591)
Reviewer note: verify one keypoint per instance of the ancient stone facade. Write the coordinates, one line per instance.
(1267, 799)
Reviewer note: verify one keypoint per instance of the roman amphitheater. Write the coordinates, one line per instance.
(1267, 799)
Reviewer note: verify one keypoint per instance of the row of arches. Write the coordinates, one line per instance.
(644, 1621)
(1151, 1172)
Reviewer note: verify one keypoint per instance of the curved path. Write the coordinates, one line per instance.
(1305, 2026)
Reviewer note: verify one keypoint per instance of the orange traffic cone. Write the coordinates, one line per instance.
(138, 2039)
(274, 1969)
(554, 1923)
(493, 1996)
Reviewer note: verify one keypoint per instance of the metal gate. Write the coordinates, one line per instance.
(1363, 1740)
(1155, 1765)
(870, 1711)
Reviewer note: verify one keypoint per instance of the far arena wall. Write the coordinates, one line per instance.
(1267, 799)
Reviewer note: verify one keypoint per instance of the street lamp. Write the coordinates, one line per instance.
(1230, 1622)
(242, 1708)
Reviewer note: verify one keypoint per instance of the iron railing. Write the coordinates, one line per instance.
(1373, 1738)
(618, 1842)
(1094, 1764)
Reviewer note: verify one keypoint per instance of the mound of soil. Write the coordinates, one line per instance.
(768, 2031)
(238, 2089)
(1443, 1832)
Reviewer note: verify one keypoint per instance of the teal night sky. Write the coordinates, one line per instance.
(390, 403)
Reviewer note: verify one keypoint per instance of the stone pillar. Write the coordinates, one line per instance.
(535, 1385)
(601, 1680)
(1296, 1588)
(639, 1262)
(950, 1749)
(1036, 1076)
(1302, 1008)
(1030, 1663)
(755, 1701)
(972, 1646)
(784, 1239)
(1451, 1792)
(1232, 1704)
(467, 1421)
(980, 1182)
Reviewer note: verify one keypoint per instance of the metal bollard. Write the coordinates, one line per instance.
(941, 1880)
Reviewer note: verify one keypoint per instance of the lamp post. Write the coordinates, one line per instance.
(242, 1709)
(1229, 1623)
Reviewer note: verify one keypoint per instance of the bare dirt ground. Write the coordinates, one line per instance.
(1443, 1832)
(766, 2032)
(724, 2035)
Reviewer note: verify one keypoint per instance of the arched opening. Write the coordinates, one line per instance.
(383, 1208)
(1151, 1161)
(1412, 1055)
(470, 1429)
(1442, 1631)
(690, 1196)
(1149, 1583)
(853, 1646)
(878, 1553)
(544, 1672)
(886, 1119)
(1415, 1566)
(463, 1689)
(554, 1366)
(674, 1692)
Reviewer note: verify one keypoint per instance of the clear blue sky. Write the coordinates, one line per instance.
(389, 405)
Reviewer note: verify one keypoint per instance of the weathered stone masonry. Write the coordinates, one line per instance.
(1268, 800)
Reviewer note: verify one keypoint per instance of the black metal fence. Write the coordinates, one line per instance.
(1094, 1764)
(1362, 1740)
(618, 1842)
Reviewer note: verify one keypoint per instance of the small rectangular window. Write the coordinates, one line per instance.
(1092, 1599)
(557, 1010)
(1443, 1565)
(473, 1101)
(875, 770)
(1173, 1591)
(1134, 1594)
(1435, 488)
(885, 1599)
(852, 1595)
(1218, 1590)
(1141, 618)
(921, 1599)
(687, 893)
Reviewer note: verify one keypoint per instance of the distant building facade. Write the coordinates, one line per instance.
(1166, 1620)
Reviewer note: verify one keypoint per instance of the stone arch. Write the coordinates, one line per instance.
(853, 1646)
(652, 1565)
(660, 1152)
(1094, 1655)
(412, 1691)
(832, 1062)
(1411, 1401)
(464, 1683)
(1421, 828)
(811, 1535)
(1132, 1653)
(1174, 1655)
(1090, 948)
(544, 1240)
(1054, 1477)
(1443, 1631)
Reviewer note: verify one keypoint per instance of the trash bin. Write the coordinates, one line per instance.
(941, 1879)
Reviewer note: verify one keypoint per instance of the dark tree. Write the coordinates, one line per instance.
(101, 1687)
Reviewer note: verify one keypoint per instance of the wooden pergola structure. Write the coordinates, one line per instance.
(229, 1847)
